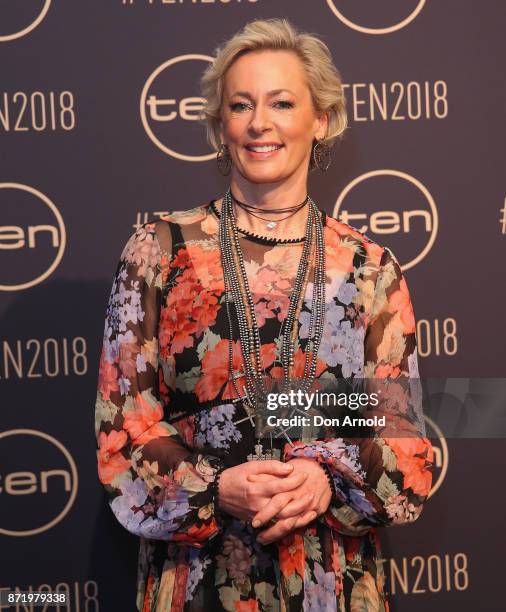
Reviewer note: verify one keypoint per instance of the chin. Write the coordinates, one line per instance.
(264, 176)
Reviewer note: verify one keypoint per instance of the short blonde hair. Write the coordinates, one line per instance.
(324, 79)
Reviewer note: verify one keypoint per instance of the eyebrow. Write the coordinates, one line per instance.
(273, 92)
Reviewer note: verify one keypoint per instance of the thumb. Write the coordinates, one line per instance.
(271, 466)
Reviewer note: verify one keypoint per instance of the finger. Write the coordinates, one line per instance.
(297, 506)
(282, 507)
(261, 477)
(270, 510)
(305, 519)
(281, 485)
(277, 531)
(270, 466)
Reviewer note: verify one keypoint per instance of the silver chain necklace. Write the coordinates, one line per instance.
(237, 291)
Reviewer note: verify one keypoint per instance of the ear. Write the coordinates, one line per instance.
(322, 123)
(222, 138)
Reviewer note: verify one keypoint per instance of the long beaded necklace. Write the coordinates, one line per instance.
(237, 291)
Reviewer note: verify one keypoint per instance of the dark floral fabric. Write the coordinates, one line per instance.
(165, 421)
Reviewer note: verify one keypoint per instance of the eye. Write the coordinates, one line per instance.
(238, 106)
(284, 103)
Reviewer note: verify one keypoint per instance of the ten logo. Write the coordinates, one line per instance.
(38, 482)
(28, 28)
(168, 114)
(376, 10)
(411, 229)
(32, 251)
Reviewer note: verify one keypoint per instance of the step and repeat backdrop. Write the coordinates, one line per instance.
(99, 132)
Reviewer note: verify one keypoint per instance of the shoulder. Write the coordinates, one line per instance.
(349, 237)
(186, 217)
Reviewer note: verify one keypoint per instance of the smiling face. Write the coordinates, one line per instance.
(268, 119)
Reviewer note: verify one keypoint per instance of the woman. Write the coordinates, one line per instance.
(208, 305)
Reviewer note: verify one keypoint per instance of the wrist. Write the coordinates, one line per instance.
(330, 479)
(216, 490)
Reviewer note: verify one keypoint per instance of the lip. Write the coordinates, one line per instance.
(262, 154)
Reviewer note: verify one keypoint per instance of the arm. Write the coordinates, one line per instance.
(380, 480)
(157, 486)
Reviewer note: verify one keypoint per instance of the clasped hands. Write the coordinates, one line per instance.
(280, 496)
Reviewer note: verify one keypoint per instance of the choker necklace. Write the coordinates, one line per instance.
(270, 224)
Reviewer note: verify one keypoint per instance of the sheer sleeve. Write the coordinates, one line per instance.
(383, 479)
(157, 486)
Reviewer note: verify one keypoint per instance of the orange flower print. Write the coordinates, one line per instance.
(284, 262)
(207, 265)
(413, 456)
(250, 605)
(110, 461)
(374, 251)
(107, 378)
(128, 349)
(263, 312)
(291, 555)
(215, 371)
(140, 422)
(181, 259)
(190, 308)
(298, 366)
(197, 534)
(338, 256)
(387, 370)
(400, 302)
(209, 225)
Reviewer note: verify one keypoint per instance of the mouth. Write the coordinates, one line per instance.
(263, 151)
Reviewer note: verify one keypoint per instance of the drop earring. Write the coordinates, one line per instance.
(223, 160)
(321, 155)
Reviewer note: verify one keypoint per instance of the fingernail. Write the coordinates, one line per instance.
(309, 496)
(256, 523)
(288, 467)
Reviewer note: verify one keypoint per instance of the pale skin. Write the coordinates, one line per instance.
(267, 99)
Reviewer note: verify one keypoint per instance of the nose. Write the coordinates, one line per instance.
(260, 121)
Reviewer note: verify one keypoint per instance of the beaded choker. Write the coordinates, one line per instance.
(258, 237)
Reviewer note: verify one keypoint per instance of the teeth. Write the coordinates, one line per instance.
(264, 149)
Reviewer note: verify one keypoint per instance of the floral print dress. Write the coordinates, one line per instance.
(165, 422)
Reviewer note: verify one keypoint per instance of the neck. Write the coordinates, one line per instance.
(289, 192)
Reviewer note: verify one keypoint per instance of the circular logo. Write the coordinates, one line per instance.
(26, 28)
(30, 250)
(441, 454)
(382, 9)
(170, 114)
(38, 482)
(410, 232)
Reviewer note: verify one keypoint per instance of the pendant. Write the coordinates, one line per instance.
(271, 225)
(260, 455)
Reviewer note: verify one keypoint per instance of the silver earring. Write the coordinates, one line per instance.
(321, 155)
(223, 160)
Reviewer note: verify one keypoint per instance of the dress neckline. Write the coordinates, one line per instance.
(263, 239)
